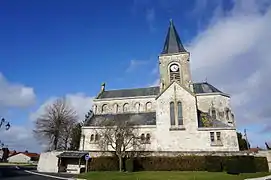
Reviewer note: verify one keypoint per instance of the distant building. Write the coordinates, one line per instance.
(24, 157)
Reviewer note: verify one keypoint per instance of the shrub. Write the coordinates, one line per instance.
(213, 164)
(104, 164)
(231, 164)
(261, 164)
(129, 165)
(184, 163)
(241, 164)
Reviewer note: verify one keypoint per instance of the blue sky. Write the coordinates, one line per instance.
(68, 48)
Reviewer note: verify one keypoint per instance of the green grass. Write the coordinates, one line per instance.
(15, 164)
(168, 175)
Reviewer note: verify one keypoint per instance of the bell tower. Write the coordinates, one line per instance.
(174, 61)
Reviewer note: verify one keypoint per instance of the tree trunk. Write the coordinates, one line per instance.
(55, 142)
(120, 163)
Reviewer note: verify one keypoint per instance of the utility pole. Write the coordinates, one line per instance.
(245, 133)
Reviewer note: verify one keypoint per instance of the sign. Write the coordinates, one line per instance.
(87, 157)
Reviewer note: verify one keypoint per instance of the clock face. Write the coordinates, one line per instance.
(174, 67)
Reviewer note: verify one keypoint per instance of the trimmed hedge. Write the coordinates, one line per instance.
(230, 164)
(261, 164)
(104, 164)
(182, 163)
(129, 165)
(213, 163)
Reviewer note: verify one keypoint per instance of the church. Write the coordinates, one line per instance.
(179, 115)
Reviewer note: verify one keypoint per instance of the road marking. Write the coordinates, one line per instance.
(46, 175)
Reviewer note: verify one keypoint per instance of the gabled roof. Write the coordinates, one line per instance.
(173, 42)
(72, 154)
(148, 118)
(27, 154)
(129, 92)
(203, 87)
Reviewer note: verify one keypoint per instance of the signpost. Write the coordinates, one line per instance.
(87, 157)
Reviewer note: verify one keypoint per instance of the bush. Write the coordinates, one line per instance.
(241, 164)
(261, 164)
(104, 164)
(182, 163)
(213, 164)
(231, 164)
(129, 165)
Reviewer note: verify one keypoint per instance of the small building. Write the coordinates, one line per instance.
(62, 161)
(24, 157)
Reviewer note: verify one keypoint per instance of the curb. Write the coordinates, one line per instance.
(260, 178)
(46, 175)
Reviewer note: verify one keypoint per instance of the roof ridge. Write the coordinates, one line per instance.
(131, 88)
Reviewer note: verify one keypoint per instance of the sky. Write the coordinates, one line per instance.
(51, 49)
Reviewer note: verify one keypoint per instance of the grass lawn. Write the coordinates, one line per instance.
(168, 175)
(15, 164)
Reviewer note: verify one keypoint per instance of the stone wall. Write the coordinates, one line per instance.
(164, 137)
(48, 162)
(187, 137)
(182, 60)
(221, 104)
(116, 105)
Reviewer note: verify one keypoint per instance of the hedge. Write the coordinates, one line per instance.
(231, 164)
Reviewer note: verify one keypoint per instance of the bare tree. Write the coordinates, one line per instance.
(54, 125)
(119, 136)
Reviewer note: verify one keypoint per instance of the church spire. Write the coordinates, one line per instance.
(173, 43)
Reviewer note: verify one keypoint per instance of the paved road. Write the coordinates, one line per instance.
(12, 173)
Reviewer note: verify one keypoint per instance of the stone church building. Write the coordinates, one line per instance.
(179, 115)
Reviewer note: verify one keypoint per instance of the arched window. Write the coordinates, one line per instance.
(148, 106)
(180, 114)
(125, 107)
(116, 108)
(97, 137)
(142, 137)
(213, 113)
(148, 137)
(104, 108)
(137, 107)
(227, 113)
(172, 114)
(92, 137)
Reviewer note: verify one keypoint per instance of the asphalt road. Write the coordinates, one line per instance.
(12, 173)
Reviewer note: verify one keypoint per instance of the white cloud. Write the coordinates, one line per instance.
(150, 18)
(135, 64)
(80, 102)
(234, 53)
(15, 95)
(19, 138)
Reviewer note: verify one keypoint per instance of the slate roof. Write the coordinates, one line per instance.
(148, 118)
(198, 88)
(204, 88)
(72, 154)
(130, 92)
(173, 42)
